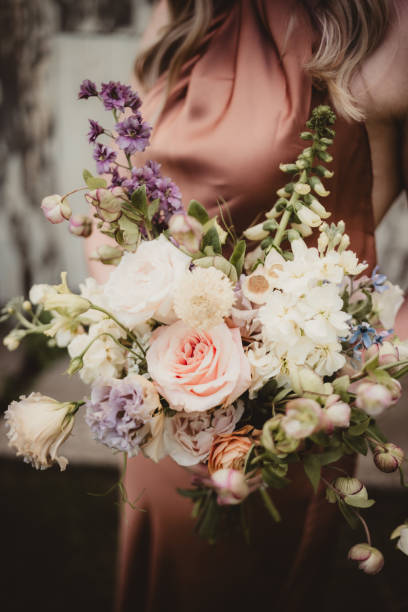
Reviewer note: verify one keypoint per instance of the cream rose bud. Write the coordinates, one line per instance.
(373, 398)
(302, 418)
(56, 209)
(143, 285)
(37, 426)
(231, 487)
(369, 559)
(196, 371)
(387, 353)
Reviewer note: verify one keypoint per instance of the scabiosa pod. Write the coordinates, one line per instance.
(388, 457)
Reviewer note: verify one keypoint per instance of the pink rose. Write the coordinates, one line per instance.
(196, 371)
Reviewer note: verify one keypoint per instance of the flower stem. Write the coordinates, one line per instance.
(366, 529)
(282, 226)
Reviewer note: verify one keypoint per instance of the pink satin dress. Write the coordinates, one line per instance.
(235, 114)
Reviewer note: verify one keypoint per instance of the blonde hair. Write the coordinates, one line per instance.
(350, 30)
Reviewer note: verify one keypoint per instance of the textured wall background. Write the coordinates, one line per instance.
(47, 47)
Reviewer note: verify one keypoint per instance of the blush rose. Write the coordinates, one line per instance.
(196, 371)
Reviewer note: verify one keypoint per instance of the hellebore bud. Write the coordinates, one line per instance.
(231, 486)
(80, 225)
(369, 559)
(56, 209)
(373, 398)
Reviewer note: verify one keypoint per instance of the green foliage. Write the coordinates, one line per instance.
(238, 256)
(93, 182)
(197, 210)
(211, 239)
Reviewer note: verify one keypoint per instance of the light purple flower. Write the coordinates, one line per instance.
(104, 156)
(120, 412)
(117, 96)
(133, 134)
(87, 90)
(95, 131)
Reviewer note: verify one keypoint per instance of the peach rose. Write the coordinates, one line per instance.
(196, 371)
(228, 451)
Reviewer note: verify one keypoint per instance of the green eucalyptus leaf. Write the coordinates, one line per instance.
(197, 210)
(238, 256)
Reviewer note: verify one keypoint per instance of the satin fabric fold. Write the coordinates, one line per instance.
(234, 115)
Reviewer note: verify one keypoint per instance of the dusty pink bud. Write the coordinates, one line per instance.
(373, 398)
(230, 485)
(388, 457)
(394, 386)
(80, 225)
(56, 209)
(335, 414)
(369, 559)
(387, 353)
(107, 202)
(302, 418)
(186, 230)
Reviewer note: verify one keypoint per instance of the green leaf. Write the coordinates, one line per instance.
(358, 502)
(402, 479)
(330, 456)
(130, 231)
(340, 386)
(211, 239)
(192, 493)
(86, 175)
(270, 506)
(152, 209)
(349, 515)
(312, 467)
(248, 459)
(238, 256)
(358, 445)
(359, 428)
(374, 431)
(381, 376)
(272, 479)
(197, 210)
(139, 200)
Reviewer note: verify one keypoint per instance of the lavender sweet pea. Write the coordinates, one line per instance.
(104, 157)
(95, 131)
(120, 412)
(133, 134)
(87, 90)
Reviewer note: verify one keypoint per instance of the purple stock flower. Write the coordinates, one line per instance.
(170, 197)
(95, 131)
(87, 89)
(133, 134)
(116, 180)
(115, 95)
(119, 412)
(104, 156)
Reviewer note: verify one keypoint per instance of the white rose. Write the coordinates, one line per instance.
(37, 427)
(143, 284)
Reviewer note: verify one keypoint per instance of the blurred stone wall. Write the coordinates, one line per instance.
(47, 47)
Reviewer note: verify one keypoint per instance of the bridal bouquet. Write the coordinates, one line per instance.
(235, 356)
